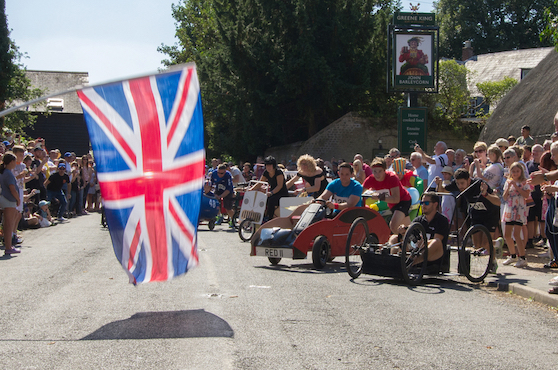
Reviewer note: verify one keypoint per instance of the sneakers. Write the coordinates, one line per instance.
(219, 220)
(11, 251)
(509, 261)
(231, 224)
(544, 255)
(499, 247)
(551, 265)
(521, 263)
(553, 281)
(16, 239)
(62, 219)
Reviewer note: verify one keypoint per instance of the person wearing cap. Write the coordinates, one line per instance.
(277, 185)
(43, 214)
(525, 138)
(54, 186)
(398, 200)
(502, 143)
(447, 173)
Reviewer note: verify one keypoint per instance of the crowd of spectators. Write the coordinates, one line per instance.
(522, 214)
(41, 187)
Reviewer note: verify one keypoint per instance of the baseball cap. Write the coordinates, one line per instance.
(44, 203)
(67, 154)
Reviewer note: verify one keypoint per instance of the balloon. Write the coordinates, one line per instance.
(415, 196)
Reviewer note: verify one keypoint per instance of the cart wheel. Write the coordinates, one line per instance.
(476, 253)
(274, 261)
(320, 252)
(235, 219)
(246, 230)
(211, 224)
(356, 240)
(415, 245)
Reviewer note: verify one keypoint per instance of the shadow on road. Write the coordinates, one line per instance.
(170, 324)
(308, 268)
(429, 285)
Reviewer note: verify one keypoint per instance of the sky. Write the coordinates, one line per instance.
(108, 39)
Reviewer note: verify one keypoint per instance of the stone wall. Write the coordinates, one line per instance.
(352, 134)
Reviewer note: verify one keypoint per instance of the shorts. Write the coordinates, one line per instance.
(228, 202)
(5, 203)
(514, 223)
(402, 206)
(489, 220)
(535, 212)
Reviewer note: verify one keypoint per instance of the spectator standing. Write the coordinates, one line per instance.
(20, 172)
(237, 177)
(365, 167)
(481, 159)
(247, 172)
(516, 190)
(534, 219)
(436, 163)
(358, 171)
(460, 155)
(525, 138)
(54, 186)
(419, 169)
(9, 200)
(494, 171)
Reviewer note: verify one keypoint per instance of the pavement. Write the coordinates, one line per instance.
(529, 282)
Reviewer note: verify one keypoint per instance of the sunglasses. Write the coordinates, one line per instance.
(507, 157)
(425, 202)
(220, 173)
(480, 151)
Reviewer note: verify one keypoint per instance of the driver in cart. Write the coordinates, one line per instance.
(435, 224)
(345, 191)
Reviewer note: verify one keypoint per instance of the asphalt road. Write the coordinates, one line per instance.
(66, 304)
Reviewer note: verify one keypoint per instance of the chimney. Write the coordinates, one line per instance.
(467, 51)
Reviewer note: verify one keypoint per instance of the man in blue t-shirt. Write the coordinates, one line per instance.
(345, 191)
(222, 180)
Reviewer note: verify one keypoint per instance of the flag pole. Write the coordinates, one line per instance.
(174, 67)
(38, 100)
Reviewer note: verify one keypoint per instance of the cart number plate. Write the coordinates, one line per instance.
(274, 252)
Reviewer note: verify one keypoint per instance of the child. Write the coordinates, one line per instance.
(516, 190)
(43, 214)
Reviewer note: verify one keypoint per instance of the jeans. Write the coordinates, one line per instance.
(51, 194)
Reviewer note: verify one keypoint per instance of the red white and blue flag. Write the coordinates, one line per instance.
(147, 138)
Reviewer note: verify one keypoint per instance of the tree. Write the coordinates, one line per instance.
(550, 32)
(14, 85)
(276, 71)
(491, 25)
(493, 91)
(453, 94)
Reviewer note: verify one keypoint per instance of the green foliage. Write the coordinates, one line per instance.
(453, 93)
(274, 72)
(493, 91)
(15, 87)
(491, 25)
(550, 32)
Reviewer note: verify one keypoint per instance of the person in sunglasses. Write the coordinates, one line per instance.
(435, 224)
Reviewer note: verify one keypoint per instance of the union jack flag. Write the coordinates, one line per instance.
(147, 138)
